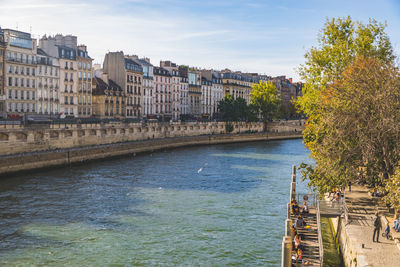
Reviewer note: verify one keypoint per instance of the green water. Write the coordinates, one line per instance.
(221, 205)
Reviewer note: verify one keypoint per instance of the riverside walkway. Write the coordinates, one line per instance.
(359, 228)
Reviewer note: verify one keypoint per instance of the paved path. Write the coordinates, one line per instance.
(360, 229)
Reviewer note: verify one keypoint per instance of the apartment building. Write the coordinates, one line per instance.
(108, 99)
(148, 87)
(237, 84)
(3, 46)
(20, 73)
(206, 86)
(163, 94)
(176, 88)
(48, 87)
(183, 95)
(194, 92)
(127, 74)
(85, 73)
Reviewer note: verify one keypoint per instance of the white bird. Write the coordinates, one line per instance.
(199, 170)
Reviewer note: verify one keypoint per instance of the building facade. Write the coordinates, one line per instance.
(107, 98)
(20, 72)
(48, 87)
(216, 92)
(194, 92)
(148, 88)
(206, 85)
(3, 46)
(175, 88)
(163, 94)
(237, 84)
(128, 74)
(85, 74)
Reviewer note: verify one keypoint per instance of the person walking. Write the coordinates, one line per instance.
(377, 227)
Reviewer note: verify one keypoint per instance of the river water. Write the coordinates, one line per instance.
(221, 205)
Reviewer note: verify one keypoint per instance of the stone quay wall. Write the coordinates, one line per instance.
(40, 146)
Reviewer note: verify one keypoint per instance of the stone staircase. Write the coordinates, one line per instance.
(311, 253)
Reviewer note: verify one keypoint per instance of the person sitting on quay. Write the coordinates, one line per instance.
(300, 222)
(305, 208)
(296, 242)
(397, 224)
(295, 206)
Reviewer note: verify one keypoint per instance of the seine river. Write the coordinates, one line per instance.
(221, 205)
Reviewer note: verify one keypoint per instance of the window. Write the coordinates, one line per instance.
(9, 69)
(66, 63)
(9, 94)
(66, 101)
(72, 100)
(9, 81)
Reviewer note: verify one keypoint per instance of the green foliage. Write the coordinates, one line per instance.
(229, 127)
(265, 98)
(350, 99)
(236, 109)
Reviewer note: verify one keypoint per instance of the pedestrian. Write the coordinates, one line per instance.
(349, 183)
(387, 230)
(377, 227)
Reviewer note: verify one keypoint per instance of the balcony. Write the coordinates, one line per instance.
(71, 80)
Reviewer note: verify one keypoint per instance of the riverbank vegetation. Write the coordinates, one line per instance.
(351, 97)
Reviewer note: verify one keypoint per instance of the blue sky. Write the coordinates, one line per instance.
(268, 37)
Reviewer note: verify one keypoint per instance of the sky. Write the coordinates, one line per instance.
(265, 36)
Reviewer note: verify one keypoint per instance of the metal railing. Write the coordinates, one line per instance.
(320, 244)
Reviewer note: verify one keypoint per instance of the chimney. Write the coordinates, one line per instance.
(104, 77)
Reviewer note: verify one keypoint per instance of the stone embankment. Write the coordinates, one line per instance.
(42, 146)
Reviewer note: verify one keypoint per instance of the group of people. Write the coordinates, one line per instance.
(296, 209)
(297, 246)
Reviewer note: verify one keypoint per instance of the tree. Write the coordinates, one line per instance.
(226, 107)
(361, 119)
(265, 97)
(341, 42)
(236, 109)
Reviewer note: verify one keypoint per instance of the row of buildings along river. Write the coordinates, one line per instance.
(56, 77)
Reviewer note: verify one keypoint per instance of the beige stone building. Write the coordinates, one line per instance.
(129, 76)
(75, 93)
(48, 87)
(20, 72)
(108, 98)
(237, 84)
(85, 72)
